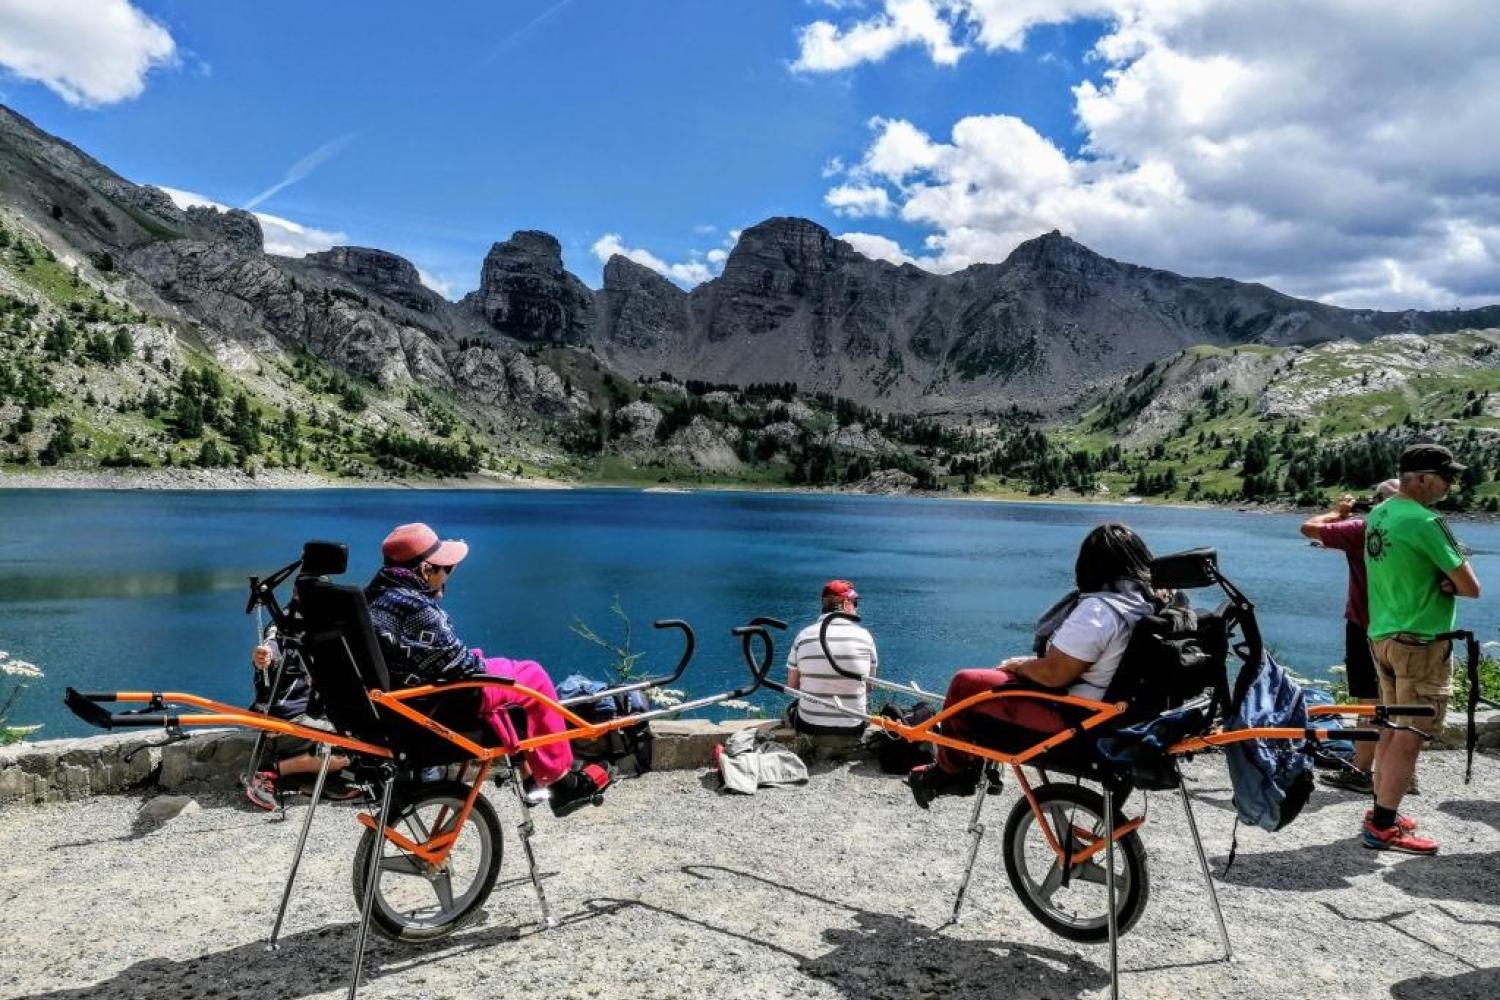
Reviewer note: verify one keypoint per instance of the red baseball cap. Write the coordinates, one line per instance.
(842, 589)
(413, 544)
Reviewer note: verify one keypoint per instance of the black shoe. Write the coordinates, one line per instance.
(579, 788)
(929, 781)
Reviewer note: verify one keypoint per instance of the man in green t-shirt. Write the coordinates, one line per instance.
(1415, 570)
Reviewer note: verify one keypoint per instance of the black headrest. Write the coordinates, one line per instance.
(324, 558)
(1186, 570)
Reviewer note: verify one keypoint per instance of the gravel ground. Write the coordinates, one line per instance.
(838, 889)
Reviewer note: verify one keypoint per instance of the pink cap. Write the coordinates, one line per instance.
(413, 544)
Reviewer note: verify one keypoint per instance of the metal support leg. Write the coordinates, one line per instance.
(371, 880)
(1208, 877)
(976, 834)
(286, 894)
(526, 829)
(253, 764)
(1109, 886)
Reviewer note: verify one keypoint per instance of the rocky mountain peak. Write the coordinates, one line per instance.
(784, 243)
(525, 293)
(380, 272)
(1057, 252)
(235, 226)
(369, 266)
(623, 274)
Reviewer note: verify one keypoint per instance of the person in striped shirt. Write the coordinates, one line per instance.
(821, 727)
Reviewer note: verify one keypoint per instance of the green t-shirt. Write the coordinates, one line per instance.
(1408, 552)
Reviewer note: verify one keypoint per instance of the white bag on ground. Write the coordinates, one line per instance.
(749, 759)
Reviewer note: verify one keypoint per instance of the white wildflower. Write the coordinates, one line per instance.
(664, 699)
(19, 668)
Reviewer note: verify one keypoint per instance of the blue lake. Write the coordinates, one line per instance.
(146, 590)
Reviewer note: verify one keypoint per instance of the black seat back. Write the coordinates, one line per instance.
(343, 657)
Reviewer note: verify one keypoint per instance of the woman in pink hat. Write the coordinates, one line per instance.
(420, 647)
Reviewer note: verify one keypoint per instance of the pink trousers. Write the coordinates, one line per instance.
(547, 763)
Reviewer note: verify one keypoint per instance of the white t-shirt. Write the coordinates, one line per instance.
(1097, 632)
(854, 648)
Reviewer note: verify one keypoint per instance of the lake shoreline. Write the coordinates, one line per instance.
(232, 480)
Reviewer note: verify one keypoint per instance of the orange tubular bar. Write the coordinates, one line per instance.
(1225, 737)
(922, 732)
(219, 714)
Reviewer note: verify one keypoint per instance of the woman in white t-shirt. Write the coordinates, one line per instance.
(1113, 577)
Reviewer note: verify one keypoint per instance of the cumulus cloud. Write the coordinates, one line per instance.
(698, 268)
(283, 237)
(824, 47)
(1342, 151)
(879, 247)
(89, 52)
(855, 200)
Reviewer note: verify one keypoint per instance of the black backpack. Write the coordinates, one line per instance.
(894, 754)
(618, 744)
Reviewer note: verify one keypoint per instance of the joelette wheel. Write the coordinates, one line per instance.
(415, 901)
(1078, 910)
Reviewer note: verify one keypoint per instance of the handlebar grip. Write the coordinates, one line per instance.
(775, 623)
(1352, 735)
(1417, 711)
(672, 623)
(743, 630)
(85, 705)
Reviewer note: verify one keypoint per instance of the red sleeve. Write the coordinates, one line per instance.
(1347, 535)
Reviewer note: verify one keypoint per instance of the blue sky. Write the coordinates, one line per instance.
(1210, 138)
(653, 119)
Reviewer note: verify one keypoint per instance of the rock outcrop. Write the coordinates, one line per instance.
(524, 292)
(387, 275)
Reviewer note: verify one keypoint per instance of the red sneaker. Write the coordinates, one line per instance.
(1393, 838)
(1406, 823)
(262, 790)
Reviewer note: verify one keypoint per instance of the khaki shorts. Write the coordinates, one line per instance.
(296, 746)
(1415, 672)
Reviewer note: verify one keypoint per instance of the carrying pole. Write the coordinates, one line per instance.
(976, 834)
(1208, 877)
(324, 751)
(527, 828)
(1109, 885)
(372, 879)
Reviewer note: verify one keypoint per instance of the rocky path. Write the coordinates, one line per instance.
(840, 889)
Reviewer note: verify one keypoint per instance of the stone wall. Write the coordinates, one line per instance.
(62, 770)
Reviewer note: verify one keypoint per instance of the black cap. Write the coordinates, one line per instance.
(1430, 458)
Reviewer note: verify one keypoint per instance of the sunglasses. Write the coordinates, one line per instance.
(445, 570)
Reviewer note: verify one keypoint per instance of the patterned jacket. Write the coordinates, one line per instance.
(416, 635)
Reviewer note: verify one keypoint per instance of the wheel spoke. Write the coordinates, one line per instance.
(1089, 871)
(443, 886)
(401, 864)
(1051, 883)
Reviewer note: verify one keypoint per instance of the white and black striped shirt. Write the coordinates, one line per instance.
(854, 649)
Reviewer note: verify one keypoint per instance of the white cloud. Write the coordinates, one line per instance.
(89, 52)
(440, 285)
(879, 247)
(688, 273)
(855, 200)
(1344, 151)
(283, 237)
(825, 47)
